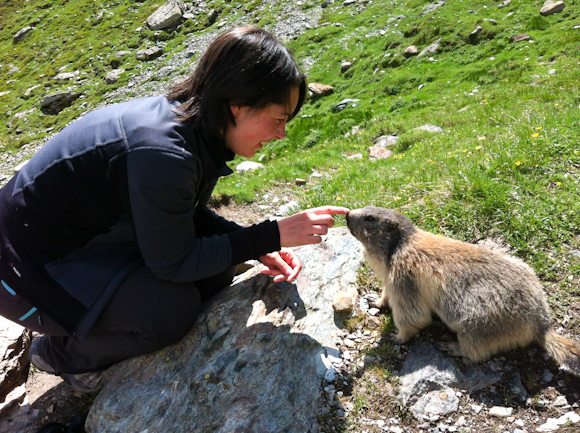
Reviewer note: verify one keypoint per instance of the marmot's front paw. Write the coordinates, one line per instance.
(396, 338)
(377, 302)
(371, 298)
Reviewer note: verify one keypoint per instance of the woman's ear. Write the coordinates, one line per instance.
(235, 110)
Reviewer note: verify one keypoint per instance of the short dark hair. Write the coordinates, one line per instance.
(243, 66)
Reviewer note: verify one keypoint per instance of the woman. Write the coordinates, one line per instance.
(108, 247)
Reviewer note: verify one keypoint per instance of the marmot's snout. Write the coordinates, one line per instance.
(351, 219)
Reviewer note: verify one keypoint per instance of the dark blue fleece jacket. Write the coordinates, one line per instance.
(122, 187)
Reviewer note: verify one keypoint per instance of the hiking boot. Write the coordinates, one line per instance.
(81, 382)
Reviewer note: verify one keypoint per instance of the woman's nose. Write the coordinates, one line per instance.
(281, 131)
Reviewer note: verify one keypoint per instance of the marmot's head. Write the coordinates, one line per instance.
(382, 231)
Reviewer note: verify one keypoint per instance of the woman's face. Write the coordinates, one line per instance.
(256, 127)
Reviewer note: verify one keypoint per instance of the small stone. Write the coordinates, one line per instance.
(64, 76)
(386, 140)
(22, 33)
(474, 33)
(519, 38)
(553, 8)
(560, 401)
(149, 53)
(319, 89)
(368, 359)
(19, 166)
(378, 152)
(430, 128)
(345, 66)
(330, 375)
(547, 376)
(343, 104)
(355, 156)
(121, 54)
(349, 343)
(343, 303)
(476, 408)
(501, 412)
(494, 366)
(248, 166)
(299, 181)
(113, 76)
(411, 51)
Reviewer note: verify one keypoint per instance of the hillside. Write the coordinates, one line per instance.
(499, 81)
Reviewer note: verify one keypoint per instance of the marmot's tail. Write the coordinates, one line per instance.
(566, 352)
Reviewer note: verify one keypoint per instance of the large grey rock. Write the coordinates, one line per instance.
(14, 344)
(253, 362)
(167, 16)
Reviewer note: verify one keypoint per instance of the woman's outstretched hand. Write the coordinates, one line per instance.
(282, 265)
(307, 226)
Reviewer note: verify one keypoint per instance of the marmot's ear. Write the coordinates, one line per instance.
(391, 225)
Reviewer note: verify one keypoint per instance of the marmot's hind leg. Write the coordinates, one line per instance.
(409, 322)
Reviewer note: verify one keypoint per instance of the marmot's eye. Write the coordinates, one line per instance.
(369, 218)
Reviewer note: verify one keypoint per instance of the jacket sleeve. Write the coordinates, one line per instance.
(163, 194)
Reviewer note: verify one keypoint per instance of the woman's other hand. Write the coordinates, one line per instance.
(307, 226)
(282, 265)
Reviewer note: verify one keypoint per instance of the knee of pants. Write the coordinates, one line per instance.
(168, 324)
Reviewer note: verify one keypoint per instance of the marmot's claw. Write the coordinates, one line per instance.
(394, 337)
(450, 348)
(374, 300)
(372, 297)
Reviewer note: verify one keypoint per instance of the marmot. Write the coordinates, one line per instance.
(492, 301)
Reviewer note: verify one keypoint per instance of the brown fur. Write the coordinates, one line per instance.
(492, 301)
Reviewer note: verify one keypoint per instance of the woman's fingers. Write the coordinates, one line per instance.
(306, 226)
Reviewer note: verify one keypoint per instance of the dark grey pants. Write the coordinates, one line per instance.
(144, 315)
